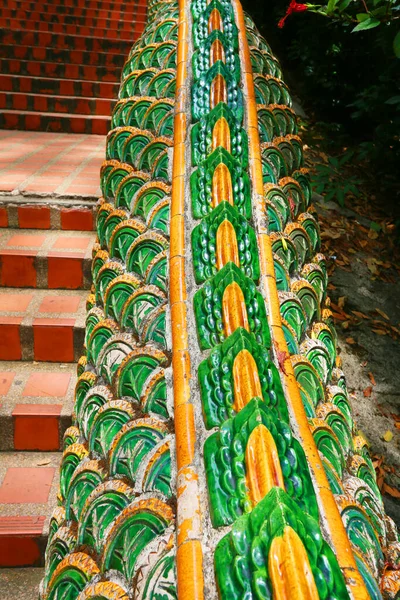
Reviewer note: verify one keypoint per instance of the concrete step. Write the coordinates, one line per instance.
(58, 87)
(54, 122)
(20, 583)
(36, 402)
(59, 70)
(122, 12)
(62, 55)
(83, 30)
(50, 39)
(29, 212)
(126, 24)
(28, 494)
(56, 104)
(45, 259)
(42, 325)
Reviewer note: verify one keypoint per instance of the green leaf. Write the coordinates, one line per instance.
(362, 17)
(379, 12)
(393, 100)
(369, 23)
(331, 6)
(375, 226)
(396, 44)
(343, 5)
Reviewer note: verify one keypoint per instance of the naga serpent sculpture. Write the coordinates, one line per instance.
(213, 452)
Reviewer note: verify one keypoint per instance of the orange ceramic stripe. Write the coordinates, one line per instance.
(327, 506)
(189, 556)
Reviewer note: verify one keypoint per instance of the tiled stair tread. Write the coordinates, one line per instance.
(63, 70)
(64, 104)
(28, 495)
(43, 243)
(97, 5)
(49, 54)
(58, 87)
(54, 122)
(45, 259)
(28, 487)
(36, 383)
(41, 325)
(36, 403)
(106, 8)
(20, 583)
(54, 213)
(38, 305)
(66, 41)
(71, 19)
(69, 116)
(71, 29)
(103, 13)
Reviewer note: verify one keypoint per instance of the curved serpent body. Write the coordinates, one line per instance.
(213, 452)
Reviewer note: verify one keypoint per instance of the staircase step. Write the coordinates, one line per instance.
(23, 212)
(59, 70)
(126, 24)
(56, 104)
(82, 30)
(62, 55)
(66, 41)
(36, 403)
(28, 496)
(56, 122)
(125, 12)
(98, 5)
(58, 87)
(47, 260)
(41, 325)
(20, 583)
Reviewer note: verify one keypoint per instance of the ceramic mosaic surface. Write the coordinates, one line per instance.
(213, 453)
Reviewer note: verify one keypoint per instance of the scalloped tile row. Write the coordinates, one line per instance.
(213, 452)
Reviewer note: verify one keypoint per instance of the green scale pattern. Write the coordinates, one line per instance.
(112, 535)
(241, 557)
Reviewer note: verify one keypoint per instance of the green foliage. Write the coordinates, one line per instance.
(334, 181)
(349, 80)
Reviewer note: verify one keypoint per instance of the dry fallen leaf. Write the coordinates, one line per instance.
(388, 489)
(360, 315)
(383, 314)
(368, 391)
(351, 340)
(372, 378)
(342, 301)
(388, 436)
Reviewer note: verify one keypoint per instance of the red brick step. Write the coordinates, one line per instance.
(122, 12)
(64, 55)
(41, 325)
(53, 260)
(36, 403)
(56, 122)
(59, 70)
(62, 41)
(28, 496)
(82, 30)
(73, 19)
(59, 104)
(99, 4)
(58, 87)
(33, 213)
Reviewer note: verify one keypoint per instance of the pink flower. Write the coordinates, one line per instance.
(292, 8)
